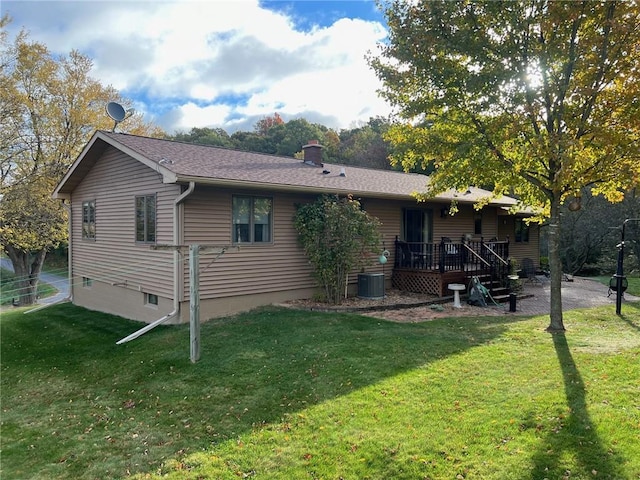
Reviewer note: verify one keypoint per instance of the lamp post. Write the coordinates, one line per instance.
(620, 270)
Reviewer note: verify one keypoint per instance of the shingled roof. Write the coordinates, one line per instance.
(180, 162)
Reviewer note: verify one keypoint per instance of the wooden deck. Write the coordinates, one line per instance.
(430, 282)
(430, 267)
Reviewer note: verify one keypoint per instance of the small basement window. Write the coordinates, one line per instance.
(87, 282)
(151, 299)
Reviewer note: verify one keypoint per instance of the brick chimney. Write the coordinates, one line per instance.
(313, 153)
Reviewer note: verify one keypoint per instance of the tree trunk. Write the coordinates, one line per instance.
(555, 268)
(27, 268)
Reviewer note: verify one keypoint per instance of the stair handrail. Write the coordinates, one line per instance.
(504, 262)
(479, 257)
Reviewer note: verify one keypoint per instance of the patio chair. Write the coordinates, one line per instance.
(449, 248)
(409, 258)
(529, 271)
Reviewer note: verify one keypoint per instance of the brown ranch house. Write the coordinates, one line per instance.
(132, 198)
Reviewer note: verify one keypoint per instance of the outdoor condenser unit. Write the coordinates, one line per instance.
(371, 285)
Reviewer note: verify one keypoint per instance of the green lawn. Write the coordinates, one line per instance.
(633, 288)
(281, 394)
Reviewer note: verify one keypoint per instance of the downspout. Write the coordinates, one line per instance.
(177, 238)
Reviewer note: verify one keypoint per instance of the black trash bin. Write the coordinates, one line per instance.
(512, 302)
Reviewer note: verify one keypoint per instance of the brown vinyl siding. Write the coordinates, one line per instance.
(390, 216)
(520, 250)
(270, 267)
(454, 227)
(114, 256)
(463, 222)
(246, 268)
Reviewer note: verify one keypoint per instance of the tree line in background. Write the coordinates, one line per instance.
(363, 146)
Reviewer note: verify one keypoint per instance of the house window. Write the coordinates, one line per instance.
(87, 282)
(522, 230)
(477, 223)
(146, 218)
(151, 299)
(417, 225)
(252, 219)
(89, 220)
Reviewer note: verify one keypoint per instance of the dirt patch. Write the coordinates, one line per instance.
(402, 307)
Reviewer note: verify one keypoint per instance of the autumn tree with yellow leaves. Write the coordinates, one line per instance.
(49, 108)
(536, 99)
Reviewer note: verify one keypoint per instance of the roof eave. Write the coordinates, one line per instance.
(221, 182)
(98, 137)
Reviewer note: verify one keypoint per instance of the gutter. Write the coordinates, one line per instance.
(177, 238)
(329, 189)
(282, 187)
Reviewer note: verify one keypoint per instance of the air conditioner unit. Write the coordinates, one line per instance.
(371, 286)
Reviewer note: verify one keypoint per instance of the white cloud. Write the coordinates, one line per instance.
(194, 64)
(191, 115)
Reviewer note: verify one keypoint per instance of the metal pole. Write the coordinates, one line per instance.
(619, 272)
(194, 301)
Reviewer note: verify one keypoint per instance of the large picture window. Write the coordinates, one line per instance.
(522, 230)
(252, 219)
(89, 219)
(146, 218)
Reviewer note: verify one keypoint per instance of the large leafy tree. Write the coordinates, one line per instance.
(263, 125)
(290, 136)
(537, 99)
(50, 107)
(365, 146)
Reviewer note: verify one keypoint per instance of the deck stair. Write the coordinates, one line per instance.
(498, 291)
(488, 261)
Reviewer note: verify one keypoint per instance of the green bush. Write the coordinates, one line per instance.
(338, 236)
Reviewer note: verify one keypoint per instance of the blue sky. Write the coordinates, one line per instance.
(222, 63)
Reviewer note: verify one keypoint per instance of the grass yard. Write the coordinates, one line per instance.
(633, 288)
(282, 394)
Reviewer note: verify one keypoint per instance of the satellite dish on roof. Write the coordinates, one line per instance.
(117, 113)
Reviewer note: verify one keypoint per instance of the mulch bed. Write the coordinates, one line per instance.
(402, 307)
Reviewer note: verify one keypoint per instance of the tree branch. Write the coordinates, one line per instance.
(501, 156)
(602, 70)
(568, 70)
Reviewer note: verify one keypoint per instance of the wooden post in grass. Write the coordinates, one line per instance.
(194, 294)
(194, 301)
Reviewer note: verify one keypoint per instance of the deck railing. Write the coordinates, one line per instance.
(466, 255)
